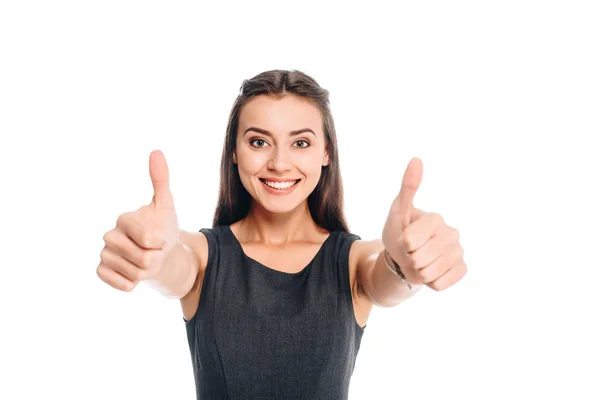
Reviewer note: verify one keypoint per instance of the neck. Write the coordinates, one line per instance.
(278, 229)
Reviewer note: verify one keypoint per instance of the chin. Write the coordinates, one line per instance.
(280, 210)
(282, 206)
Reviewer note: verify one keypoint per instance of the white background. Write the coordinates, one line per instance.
(501, 101)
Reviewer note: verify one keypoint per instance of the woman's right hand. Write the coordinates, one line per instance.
(136, 249)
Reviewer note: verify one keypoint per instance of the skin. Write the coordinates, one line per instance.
(280, 233)
(276, 220)
(427, 249)
(147, 244)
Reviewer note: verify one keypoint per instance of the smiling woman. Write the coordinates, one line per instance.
(277, 293)
(283, 115)
(277, 280)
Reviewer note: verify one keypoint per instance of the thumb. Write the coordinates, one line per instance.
(410, 184)
(159, 173)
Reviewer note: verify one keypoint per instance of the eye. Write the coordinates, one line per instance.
(259, 143)
(306, 144)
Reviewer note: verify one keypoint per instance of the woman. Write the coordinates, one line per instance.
(276, 295)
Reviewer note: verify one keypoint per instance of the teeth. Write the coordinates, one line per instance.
(280, 185)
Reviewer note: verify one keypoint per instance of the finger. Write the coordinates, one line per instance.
(442, 240)
(122, 245)
(415, 235)
(115, 261)
(410, 184)
(159, 174)
(136, 230)
(452, 276)
(114, 279)
(440, 265)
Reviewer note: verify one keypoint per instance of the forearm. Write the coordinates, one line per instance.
(387, 288)
(178, 274)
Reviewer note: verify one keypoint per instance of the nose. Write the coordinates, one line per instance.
(280, 160)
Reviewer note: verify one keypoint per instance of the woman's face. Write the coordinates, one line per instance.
(280, 149)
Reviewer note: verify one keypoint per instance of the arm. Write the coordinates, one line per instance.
(375, 279)
(426, 250)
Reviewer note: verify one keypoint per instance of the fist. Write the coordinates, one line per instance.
(426, 249)
(136, 249)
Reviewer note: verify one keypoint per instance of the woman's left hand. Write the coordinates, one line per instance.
(427, 250)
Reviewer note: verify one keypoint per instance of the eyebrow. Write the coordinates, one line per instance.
(265, 132)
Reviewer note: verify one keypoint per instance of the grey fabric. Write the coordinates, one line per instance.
(259, 333)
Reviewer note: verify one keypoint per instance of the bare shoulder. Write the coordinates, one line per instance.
(198, 247)
(197, 242)
(363, 255)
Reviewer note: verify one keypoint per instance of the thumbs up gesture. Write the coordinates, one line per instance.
(136, 249)
(426, 249)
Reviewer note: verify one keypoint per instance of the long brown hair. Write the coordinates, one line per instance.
(326, 201)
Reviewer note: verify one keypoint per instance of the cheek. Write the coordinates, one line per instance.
(250, 163)
(310, 164)
(247, 167)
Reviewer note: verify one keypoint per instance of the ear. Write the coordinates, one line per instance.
(234, 158)
(326, 158)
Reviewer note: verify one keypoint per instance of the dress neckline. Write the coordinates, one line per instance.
(305, 268)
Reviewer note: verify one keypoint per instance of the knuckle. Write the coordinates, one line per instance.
(147, 259)
(456, 233)
(106, 237)
(423, 274)
(456, 256)
(147, 238)
(104, 255)
(406, 241)
(100, 271)
(127, 286)
(123, 219)
(104, 273)
(438, 218)
(414, 259)
(436, 285)
(138, 274)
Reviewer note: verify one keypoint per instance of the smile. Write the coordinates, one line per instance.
(280, 185)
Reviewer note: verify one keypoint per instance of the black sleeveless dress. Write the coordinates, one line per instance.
(259, 333)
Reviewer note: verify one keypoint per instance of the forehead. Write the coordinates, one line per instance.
(280, 115)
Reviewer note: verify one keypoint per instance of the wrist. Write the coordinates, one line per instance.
(395, 267)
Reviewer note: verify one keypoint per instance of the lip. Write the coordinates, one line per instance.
(279, 179)
(279, 192)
